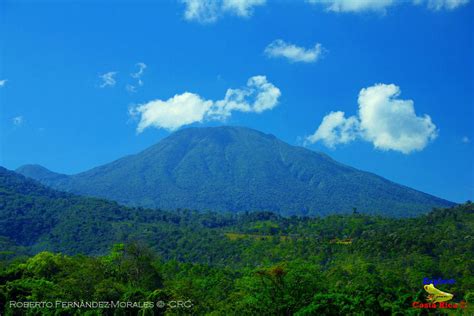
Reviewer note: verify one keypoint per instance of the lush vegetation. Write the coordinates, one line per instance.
(239, 169)
(379, 270)
(224, 264)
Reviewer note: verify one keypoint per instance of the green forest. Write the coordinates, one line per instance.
(61, 248)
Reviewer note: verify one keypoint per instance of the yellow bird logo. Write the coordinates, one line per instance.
(436, 295)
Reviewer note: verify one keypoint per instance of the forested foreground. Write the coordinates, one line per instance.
(259, 264)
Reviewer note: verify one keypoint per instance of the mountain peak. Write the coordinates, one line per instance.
(231, 168)
(225, 131)
(41, 174)
(34, 170)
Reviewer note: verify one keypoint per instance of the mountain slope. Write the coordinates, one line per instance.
(239, 169)
(35, 218)
(38, 217)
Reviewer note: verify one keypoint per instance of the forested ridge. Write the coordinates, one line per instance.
(61, 247)
(233, 169)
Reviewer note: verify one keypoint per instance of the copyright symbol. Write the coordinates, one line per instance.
(160, 304)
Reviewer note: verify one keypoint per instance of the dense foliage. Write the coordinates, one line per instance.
(239, 169)
(224, 264)
(379, 271)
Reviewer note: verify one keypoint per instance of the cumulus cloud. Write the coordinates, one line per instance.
(293, 53)
(182, 109)
(208, 11)
(259, 95)
(18, 120)
(355, 6)
(384, 120)
(391, 123)
(3, 82)
(335, 129)
(108, 79)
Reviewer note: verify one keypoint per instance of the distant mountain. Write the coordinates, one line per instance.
(40, 172)
(239, 169)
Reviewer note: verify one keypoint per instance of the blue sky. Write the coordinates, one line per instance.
(72, 96)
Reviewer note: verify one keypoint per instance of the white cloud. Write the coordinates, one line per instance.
(385, 121)
(466, 140)
(293, 53)
(259, 95)
(335, 129)
(18, 120)
(3, 82)
(391, 123)
(242, 8)
(354, 5)
(177, 111)
(438, 5)
(108, 79)
(139, 73)
(208, 11)
(204, 11)
(136, 75)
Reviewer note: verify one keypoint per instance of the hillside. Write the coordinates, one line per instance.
(227, 264)
(239, 169)
(38, 218)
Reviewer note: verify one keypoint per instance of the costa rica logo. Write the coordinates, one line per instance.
(435, 295)
(438, 299)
